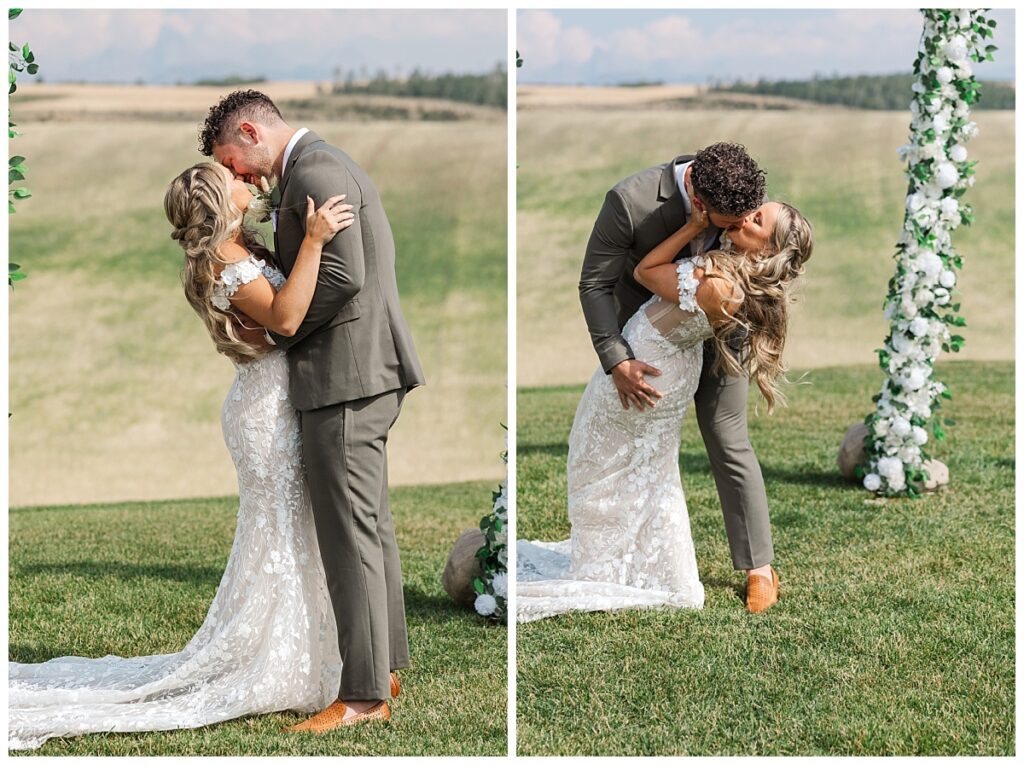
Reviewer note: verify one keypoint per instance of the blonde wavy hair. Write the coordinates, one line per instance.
(765, 281)
(198, 205)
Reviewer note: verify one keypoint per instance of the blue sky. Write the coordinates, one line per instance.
(166, 46)
(598, 47)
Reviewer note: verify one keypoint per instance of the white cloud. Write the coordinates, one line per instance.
(577, 45)
(164, 45)
(607, 46)
(549, 42)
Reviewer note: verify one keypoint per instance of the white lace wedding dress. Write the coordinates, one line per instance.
(630, 545)
(269, 641)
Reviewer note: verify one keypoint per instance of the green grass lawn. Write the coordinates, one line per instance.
(135, 579)
(895, 629)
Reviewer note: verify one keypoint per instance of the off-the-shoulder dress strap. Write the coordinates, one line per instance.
(240, 272)
(688, 283)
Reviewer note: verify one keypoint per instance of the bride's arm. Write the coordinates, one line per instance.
(656, 271)
(283, 311)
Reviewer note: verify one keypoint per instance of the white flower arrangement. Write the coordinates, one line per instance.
(262, 203)
(918, 306)
(492, 586)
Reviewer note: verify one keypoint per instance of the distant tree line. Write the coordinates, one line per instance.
(230, 81)
(864, 91)
(639, 83)
(488, 89)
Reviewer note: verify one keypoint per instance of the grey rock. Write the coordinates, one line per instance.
(851, 451)
(938, 476)
(462, 567)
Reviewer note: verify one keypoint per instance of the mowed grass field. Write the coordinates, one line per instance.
(839, 167)
(894, 634)
(124, 579)
(115, 388)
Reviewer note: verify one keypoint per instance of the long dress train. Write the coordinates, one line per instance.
(630, 545)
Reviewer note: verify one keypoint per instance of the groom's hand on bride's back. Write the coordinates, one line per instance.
(628, 378)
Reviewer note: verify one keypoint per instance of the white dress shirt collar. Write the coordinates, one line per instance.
(291, 145)
(680, 171)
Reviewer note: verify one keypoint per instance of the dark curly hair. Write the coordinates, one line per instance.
(233, 109)
(727, 180)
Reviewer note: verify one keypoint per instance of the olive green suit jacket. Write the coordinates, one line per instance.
(638, 214)
(354, 342)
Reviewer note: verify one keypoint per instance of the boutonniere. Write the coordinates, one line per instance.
(267, 200)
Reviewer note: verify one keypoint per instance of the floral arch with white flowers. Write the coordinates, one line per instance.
(920, 305)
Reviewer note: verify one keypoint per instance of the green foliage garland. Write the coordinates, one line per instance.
(492, 587)
(19, 59)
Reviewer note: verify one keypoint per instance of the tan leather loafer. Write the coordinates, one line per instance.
(333, 718)
(762, 592)
(396, 687)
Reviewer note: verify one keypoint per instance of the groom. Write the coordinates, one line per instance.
(639, 213)
(351, 363)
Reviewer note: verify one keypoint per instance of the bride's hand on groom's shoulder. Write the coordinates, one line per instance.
(326, 221)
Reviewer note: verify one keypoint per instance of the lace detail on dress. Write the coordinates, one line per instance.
(275, 277)
(681, 323)
(232, 277)
(269, 640)
(630, 545)
(242, 272)
(688, 283)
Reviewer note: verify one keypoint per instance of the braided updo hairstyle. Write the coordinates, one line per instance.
(766, 281)
(198, 205)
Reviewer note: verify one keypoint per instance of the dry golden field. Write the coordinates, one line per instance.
(572, 96)
(839, 166)
(114, 387)
(673, 96)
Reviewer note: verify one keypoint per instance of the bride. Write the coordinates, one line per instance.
(268, 642)
(630, 545)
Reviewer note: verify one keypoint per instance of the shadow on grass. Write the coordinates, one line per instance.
(806, 477)
(420, 608)
(550, 450)
(25, 653)
(429, 608)
(726, 585)
(696, 463)
(201, 575)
